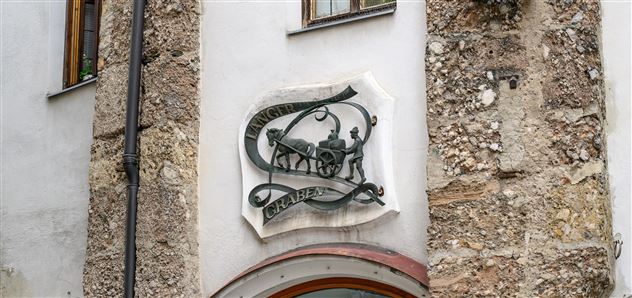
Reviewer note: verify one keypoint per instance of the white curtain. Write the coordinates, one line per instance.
(331, 7)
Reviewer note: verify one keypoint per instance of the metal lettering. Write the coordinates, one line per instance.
(289, 109)
(262, 118)
(300, 195)
(270, 114)
(255, 127)
(251, 136)
(267, 213)
(309, 193)
(320, 191)
(292, 199)
(280, 205)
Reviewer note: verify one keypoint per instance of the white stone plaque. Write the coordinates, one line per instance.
(326, 125)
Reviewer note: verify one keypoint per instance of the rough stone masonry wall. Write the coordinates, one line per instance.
(517, 180)
(167, 248)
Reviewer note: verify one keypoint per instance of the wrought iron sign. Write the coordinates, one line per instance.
(325, 160)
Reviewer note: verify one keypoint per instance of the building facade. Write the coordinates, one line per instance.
(494, 149)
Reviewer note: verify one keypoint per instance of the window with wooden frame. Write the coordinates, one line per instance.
(316, 12)
(82, 39)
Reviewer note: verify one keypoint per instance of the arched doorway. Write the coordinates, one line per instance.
(342, 287)
(332, 269)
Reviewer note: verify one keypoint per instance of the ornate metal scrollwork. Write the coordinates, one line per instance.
(328, 158)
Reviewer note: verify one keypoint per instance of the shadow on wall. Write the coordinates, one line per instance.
(13, 283)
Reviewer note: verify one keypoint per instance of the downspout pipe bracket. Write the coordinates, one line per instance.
(130, 164)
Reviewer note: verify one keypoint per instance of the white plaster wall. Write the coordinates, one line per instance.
(45, 156)
(616, 45)
(247, 53)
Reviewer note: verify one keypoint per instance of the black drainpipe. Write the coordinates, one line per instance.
(130, 158)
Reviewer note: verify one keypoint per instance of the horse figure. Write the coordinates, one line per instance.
(289, 146)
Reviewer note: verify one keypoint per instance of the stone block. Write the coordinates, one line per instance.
(107, 223)
(578, 142)
(103, 268)
(177, 100)
(466, 147)
(579, 212)
(110, 103)
(171, 28)
(493, 276)
(103, 275)
(573, 68)
(578, 13)
(476, 217)
(106, 165)
(462, 73)
(453, 16)
(173, 144)
(167, 240)
(580, 272)
(115, 32)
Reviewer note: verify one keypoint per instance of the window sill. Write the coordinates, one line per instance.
(71, 88)
(343, 21)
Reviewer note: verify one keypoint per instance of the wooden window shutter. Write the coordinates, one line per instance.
(74, 42)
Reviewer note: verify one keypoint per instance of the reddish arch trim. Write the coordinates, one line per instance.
(342, 282)
(399, 262)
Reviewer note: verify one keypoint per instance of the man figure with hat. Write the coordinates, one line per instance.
(358, 155)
